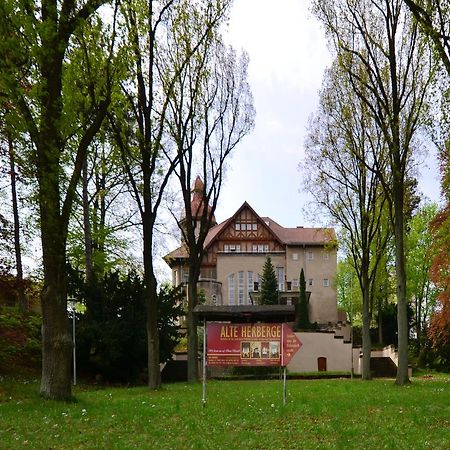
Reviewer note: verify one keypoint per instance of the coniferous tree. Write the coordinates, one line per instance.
(269, 284)
(302, 315)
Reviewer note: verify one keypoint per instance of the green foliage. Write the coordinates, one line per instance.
(111, 335)
(269, 284)
(348, 290)
(301, 307)
(20, 340)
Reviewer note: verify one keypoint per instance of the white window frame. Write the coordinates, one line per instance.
(310, 281)
(241, 298)
(250, 285)
(326, 282)
(231, 288)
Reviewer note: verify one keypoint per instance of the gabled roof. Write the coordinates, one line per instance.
(214, 234)
(301, 235)
(285, 236)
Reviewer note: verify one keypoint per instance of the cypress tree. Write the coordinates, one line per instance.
(302, 316)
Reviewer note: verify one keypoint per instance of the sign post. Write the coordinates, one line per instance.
(204, 363)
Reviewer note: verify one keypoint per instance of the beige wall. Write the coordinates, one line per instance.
(323, 300)
(315, 345)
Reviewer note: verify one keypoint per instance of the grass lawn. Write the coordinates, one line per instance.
(337, 414)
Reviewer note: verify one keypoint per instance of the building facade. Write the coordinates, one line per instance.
(235, 252)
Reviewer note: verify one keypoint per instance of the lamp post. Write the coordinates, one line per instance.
(73, 306)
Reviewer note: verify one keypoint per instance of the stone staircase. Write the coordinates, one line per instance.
(383, 366)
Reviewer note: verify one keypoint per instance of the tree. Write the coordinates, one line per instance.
(343, 145)
(7, 133)
(153, 31)
(421, 291)
(439, 330)
(302, 305)
(34, 55)
(388, 67)
(111, 337)
(434, 20)
(269, 284)
(210, 112)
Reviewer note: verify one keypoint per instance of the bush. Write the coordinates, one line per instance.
(20, 341)
(111, 334)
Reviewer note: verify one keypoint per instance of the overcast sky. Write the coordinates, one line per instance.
(288, 55)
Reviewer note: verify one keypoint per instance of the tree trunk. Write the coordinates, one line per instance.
(151, 294)
(402, 304)
(192, 322)
(154, 373)
(56, 335)
(23, 303)
(366, 341)
(87, 224)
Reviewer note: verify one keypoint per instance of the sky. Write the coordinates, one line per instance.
(288, 55)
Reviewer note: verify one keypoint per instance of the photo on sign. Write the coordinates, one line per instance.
(265, 349)
(255, 349)
(245, 350)
(274, 349)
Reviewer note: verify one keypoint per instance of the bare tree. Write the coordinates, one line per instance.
(434, 20)
(341, 176)
(210, 112)
(387, 64)
(160, 56)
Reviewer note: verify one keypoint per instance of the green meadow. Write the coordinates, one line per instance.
(322, 414)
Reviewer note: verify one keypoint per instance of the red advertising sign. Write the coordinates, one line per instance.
(260, 344)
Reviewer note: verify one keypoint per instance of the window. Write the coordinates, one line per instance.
(289, 285)
(295, 283)
(250, 285)
(326, 255)
(231, 295)
(231, 248)
(241, 287)
(214, 299)
(295, 256)
(309, 256)
(280, 278)
(310, 282)
(237, 226)
(326, 282)
(185, 276)
(254, 226)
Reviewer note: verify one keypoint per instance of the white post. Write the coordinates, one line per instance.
(282, 364)
(73, 304)
(351, 325)
(204, 362)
